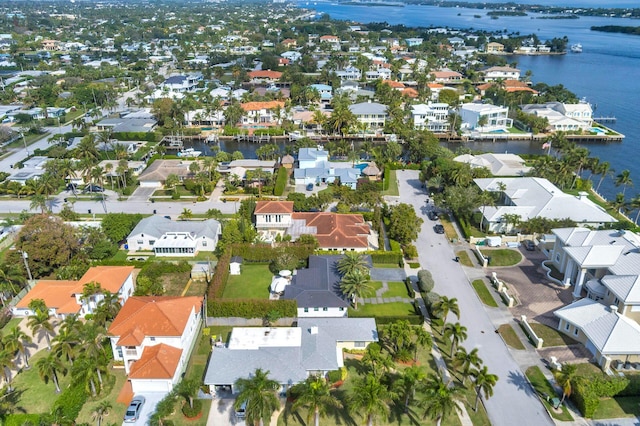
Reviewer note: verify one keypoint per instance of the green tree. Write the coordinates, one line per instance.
(484, 382)
(49, 367)
(370, 398)
(39, 324)
(445, 305)
(440, 400)
(16, 341)
(314, 394)
(354, 286)
(188, 389)
(565, 378)
(465, 362)
(456, 333)
(259, 394)
(624, 179)
(100, 411)
(422, 340)
(404, 224)
(407, 384)
(352, 261)
(7, 364)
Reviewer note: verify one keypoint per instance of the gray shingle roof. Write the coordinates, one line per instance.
(158, 226)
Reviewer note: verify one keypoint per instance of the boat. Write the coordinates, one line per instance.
(576, 48)
(189, 153)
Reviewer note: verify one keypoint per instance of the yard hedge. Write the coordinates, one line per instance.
(21, 419)
(633, 388)
(251, 308)
(588, 390)
(410, 291)
(383, 320)
(71, 400)
(219, 280)
(281, 181)
(265, 253)
(386, 257)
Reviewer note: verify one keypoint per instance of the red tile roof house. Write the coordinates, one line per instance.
(264, 76)
(64, 297)
(154, 337)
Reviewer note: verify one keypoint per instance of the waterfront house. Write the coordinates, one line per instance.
(432, 116)
(290, 354)
(498, 164)
(501, 73)
(495, 117)
(371, 114)
(563, 117)
(262, 113)
(314, 167)
(495, 47)
(153, 336)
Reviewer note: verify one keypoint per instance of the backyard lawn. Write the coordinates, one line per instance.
(393, 185)
(613, 408)
(252, 283)
(197, 288)
(502, 257)
(175, 282)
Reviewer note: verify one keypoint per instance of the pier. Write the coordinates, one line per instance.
(605, 119)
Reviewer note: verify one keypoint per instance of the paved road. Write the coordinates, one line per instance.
(513, 402)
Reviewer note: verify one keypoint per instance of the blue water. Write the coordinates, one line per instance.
(607, 73)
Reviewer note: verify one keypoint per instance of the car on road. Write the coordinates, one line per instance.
(133, 410)
(93, 188)
(439, 229)
(433, 215)
(529, 245)
(310, 187)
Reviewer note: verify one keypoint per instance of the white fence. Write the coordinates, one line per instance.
(509, 300)
(537, 341)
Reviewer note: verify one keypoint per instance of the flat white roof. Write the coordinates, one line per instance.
(265, 337)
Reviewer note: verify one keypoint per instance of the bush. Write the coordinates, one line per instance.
(430, 299)
(587, 391)
(334, 376)
(281, 181)
(21, 419)
(410, 291)
(251, 308)
(410, 251)
(5, 316)
(413, 319)
(425, 281)
(633, 387)
(70, 401)
(191, 412)
(386, 257)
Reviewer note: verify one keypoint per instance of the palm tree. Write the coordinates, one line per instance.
(107, 308)
(465, 361)
(186, 214)
(259, 394)
(89, 292)
(92, 346)
(483, 383)
(624, 179)
(564, 379)
(603, 169)
(187, 389)
(456, 333)
(353, 261)
(441, 400)
(405, 386)
(48, 369)
(445, 305)
(314, 394)
(11, 280)
(85, 370)
(6, 364)
(39, 323)
(100, 411)
(16, 341)
(354, 286)
(65, 343)
(370, 398)
(619, 203)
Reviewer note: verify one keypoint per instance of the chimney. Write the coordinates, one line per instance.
(613, 308)
(313, 330)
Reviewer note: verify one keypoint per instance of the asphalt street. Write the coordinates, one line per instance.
(513, 401)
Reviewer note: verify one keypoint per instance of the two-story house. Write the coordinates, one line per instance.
(432, 116)
(181, 83)
(153, 337)
(65, 297)
(273, 217)
(485, 117)
(314, 168)
(371, 114)
(263, 113)
(604, 269)
(501, 73)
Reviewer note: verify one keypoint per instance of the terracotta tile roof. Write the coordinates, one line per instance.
(337, 230)
(329, 37)
(410, 92)
(274, 75)
(109, 277)
(446, 74)
(154, 316)
(265, 207)
(394, 84)
(435, 86)
(133, 337)
(257, 106)
(157, 362)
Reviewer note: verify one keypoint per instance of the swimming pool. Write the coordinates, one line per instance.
(598, 130)
(499, 131)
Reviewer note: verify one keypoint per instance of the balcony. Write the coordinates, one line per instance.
(131, 353)
(262, 225)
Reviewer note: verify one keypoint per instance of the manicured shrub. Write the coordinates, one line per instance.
(410, 251)
(386, 257)
(409, 286)
(425, 281)
(334, 376)
(587, 391)
(191, 412)
(430, 299)
(251, 308)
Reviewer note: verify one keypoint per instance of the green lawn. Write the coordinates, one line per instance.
(510, 337)
(375, 286)
(393, 185)
(612, 408)
(216, 332)
(449, 230)
(386, 265)
(110, 394)
(544, 390)
(502, 257)
(464, 258)
(396, 289)
(484, 293)
(36, 396)
(13, 322)
(550, 336)
(252, 283)
(382, 310)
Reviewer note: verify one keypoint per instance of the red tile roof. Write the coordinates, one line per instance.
(157, 362)
(337, 230)
(394, 84)
(273, 75)
(266, 207)
(257, 106)
(153, 316)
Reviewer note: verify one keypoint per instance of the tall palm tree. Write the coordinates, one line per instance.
(89, 293)
(465, 361)
(565, 377)
(65, 343)
(314, 394)
(7, 364)
(407, 384)
(624, 179)
(440, 399)
(92, 345)
(100, 410)
(16, 341)
(49, 368)
(370, 398)
(39, 324)
(603, 169)
(107, 308)
(354, 285)
(445, 305)
(483, 382)
(456, 333)
(259, 394)
(353, 261)
(634, 204)
(85, 371)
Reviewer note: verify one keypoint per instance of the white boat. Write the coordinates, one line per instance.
(576, 48)
(189, 152)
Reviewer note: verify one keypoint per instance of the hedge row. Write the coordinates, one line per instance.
(137, 136)
(389, 257)
(587, 391)
(383, 320)
(633, 388)
(266, 253)
(219, 279)
(251, 308)
(281, 181)
(396, 165)
(410, 291)
(464, 226)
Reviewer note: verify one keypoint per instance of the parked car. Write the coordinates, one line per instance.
(93, 188)
(310, 187)
(133, 410)
(433, 215)
(439, 229)
(240, 411)
(529, 245)
(71, 187)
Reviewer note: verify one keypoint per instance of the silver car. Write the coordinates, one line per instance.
(133, 410)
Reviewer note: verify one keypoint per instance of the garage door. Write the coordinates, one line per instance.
(141, 386)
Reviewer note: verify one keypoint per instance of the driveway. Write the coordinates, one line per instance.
(513, 401)
(142, 194)
(149, 407)
(222, 413)
(387, 274)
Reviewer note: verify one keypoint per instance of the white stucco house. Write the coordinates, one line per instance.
(501, 73)
(495, 117)
(314, 167)
(153, 337)
(433, 116)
